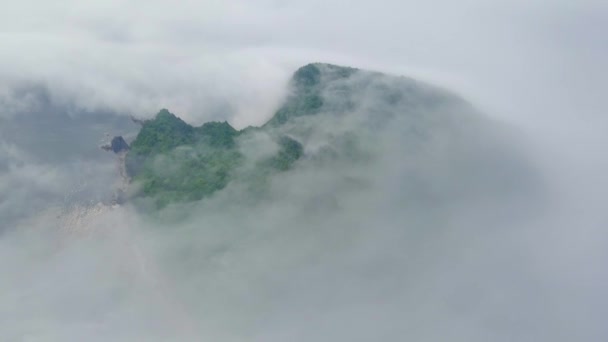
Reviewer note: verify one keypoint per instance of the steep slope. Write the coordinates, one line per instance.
(172, 161)
(334, 116)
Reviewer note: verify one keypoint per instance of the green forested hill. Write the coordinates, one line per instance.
(171, 160)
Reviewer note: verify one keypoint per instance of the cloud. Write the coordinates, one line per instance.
(433, 240)
(230, 59)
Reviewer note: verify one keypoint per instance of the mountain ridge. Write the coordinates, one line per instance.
(172, 161)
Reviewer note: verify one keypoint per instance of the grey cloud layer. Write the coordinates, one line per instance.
(136, 57)
(368, 269)
(343, 248)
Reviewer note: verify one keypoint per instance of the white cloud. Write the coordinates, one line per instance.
(366, 269)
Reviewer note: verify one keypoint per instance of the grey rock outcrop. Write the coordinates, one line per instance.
(117, 145)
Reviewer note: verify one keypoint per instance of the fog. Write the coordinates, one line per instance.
(462, 224)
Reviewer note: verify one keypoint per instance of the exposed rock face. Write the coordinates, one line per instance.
(117, 145)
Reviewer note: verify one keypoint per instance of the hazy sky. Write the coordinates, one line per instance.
(537, 60)
(71, 71)
(540, 64)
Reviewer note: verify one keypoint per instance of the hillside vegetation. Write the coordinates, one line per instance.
(172, 161)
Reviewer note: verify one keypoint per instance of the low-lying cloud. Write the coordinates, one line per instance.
(470, 234)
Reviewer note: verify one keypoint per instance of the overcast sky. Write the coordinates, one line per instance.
(536, 60)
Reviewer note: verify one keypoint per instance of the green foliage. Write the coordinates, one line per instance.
(162, 134)
(217, 134)
(307, 76)
(313, 75)
(290, 151)
(195, 173)
(307, 85)
(302, 104)
(173, 161)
